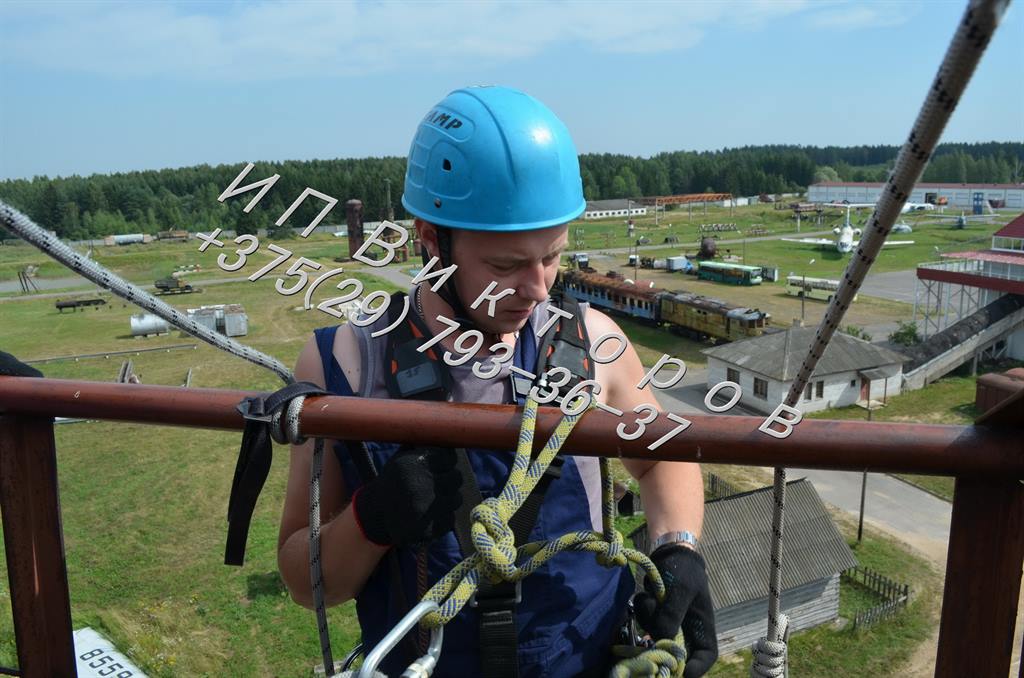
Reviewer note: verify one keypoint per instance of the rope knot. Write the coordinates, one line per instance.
(614, 554)
(494, 540)
(770, 656)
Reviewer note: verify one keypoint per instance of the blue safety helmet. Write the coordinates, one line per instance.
(493, 159)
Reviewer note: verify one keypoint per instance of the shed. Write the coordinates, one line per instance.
(850, 371)
(735, 543)
(236, 322)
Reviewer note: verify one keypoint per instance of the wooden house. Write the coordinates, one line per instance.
(735, 543)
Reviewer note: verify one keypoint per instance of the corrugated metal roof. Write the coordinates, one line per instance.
(1014, 229)
(616, 204)
(736, 542)
(778, 355)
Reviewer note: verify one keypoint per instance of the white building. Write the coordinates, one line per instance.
(602, 209)
(852, 370)
(958, 196)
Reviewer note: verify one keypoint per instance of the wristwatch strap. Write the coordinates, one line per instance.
(684, 537)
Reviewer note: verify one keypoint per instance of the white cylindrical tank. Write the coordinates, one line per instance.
(129, 239)
(147, 323)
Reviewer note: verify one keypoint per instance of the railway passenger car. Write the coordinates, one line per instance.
(682, 312)
(614, 294)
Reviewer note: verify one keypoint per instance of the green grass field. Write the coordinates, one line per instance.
(143, 264)
(144, 506)
(930, 239)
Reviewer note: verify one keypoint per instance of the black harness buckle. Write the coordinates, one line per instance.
(253, 409)
(500, 596)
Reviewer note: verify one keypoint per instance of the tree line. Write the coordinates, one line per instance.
(186, 198)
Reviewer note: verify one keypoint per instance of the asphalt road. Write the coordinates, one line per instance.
(895, 285)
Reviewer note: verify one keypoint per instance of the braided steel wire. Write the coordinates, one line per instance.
(965, 51)
(54, 247)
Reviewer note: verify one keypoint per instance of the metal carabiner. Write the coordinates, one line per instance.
(422, 667)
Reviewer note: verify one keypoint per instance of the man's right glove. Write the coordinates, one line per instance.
(413, 500)
(687, 604)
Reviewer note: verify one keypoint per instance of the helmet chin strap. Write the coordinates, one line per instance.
(448, 292)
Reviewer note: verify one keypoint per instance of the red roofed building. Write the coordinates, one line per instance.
(964, 282)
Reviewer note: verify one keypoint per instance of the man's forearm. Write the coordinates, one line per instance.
(347, 560)
(673, 498)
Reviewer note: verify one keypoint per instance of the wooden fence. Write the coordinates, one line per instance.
(718, 488)
(893, 594)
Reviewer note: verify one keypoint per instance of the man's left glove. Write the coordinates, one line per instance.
(687, 604)
(12, 367)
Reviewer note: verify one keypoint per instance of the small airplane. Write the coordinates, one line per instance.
(964, 218)
(907, 207)
(845, 243)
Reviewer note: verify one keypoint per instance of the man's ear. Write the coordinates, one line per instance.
(427, 233)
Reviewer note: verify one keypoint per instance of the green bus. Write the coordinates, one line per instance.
(734, 274)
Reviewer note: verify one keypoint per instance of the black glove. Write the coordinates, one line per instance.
(413, 500)
(12, 367)
(687, 604)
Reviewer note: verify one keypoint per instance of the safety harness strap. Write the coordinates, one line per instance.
(254, 458)
(423, 375)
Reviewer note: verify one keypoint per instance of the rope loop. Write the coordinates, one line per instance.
(771, 656)
(285, 424)
(666, 659)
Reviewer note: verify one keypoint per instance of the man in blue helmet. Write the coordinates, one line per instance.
(492, 179)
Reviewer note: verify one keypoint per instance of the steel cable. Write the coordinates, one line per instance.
(965, 51)
(54, 247)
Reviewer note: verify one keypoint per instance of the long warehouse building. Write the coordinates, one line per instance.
(959, 196)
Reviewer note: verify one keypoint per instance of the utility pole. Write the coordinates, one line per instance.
(863, 490)
(389, 212)
(803, 293)
(803, 297)
(863, 484)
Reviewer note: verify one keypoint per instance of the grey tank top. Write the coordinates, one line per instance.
(469, 388)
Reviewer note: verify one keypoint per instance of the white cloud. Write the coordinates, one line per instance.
(859, 16)
(278, 40)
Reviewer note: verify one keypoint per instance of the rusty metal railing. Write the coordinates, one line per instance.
(986, 546)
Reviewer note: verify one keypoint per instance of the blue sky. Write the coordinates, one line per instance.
(105, 87)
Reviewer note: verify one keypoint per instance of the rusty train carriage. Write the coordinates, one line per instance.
(683, 312)
(711, 317)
